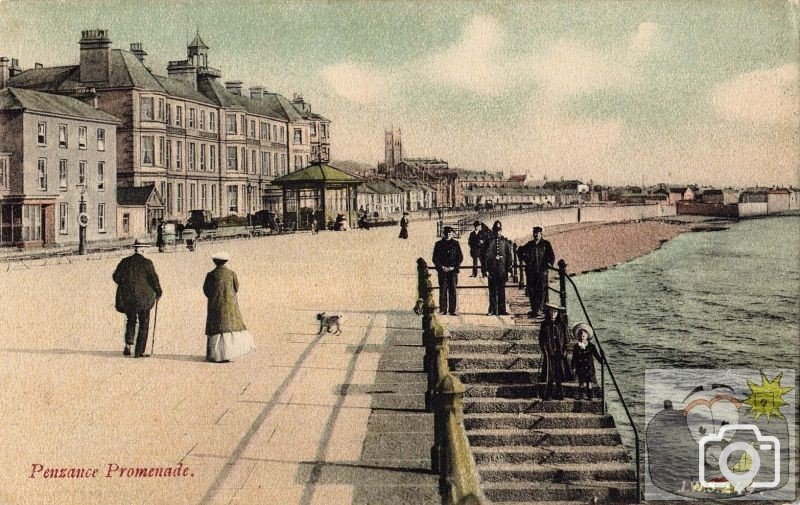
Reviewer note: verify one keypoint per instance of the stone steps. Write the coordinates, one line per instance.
(549, 454)
(563, 473)
(537, 421)
(460, 362)
(522, 391)
(549, 436)
(527, 406)
(584, 491)
(493, 347)
(495, 334)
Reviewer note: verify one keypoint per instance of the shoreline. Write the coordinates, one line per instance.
(595, 247)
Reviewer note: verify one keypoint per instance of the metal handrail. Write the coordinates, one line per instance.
(607, 366)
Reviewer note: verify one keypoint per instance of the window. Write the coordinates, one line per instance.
(192, 156)
(178, 155)
(168, 155)
(42, 176)
(202, 157)
(63, 216)
(4, 182)
(202, 120)
(282, 135)
(212, 121)
(179, 198)
(62, 174)
(191, 196)
(126, 223)
(275, 133)
(147, 150)
(275, 164)
(101, 217)
(263, 130)
(178, 116)
(252, 129)
(244, 125)
(244, 160)
(313, 128)
(233, 199)
(298, 136)
(41, 136)
(62, 135)
(231, 165)
(31, 222)
(298, 162)
(168, 197)
(203, 189)
(283, 163)
(81, 172)
(81, 137)
(161, 151)
(146, 108)
(101, 176)
(212, 158)
(161, 109)
(168, 115)
(101, 139)
(264, 163)
(192, 118)
(230, 121)
(213, 198)
(253, 165)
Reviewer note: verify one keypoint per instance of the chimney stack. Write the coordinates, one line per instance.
(234, 87)
(38, 65)
(301, 104)
(14, 69)
(257, 92)
(183, 70)
(95, 56)
(4, 72)
(136, 49)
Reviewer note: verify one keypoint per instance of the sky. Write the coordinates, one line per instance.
(634, 92)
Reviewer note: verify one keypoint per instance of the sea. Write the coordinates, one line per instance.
(712, 300)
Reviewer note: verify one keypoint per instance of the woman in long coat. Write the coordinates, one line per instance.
(404, 225)
(227, 336)
(553, 343)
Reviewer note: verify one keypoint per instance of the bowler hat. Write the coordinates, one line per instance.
(582, 327)
(537, 229)
(476, 223)
(447, 229)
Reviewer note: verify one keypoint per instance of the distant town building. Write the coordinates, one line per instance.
(720, 196)
(678, 193)
(393, 147)
(53, 150)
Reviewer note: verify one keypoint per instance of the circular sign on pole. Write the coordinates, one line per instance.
(83, 220)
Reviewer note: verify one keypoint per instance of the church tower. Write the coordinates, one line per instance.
(393, 149)
(197, 52)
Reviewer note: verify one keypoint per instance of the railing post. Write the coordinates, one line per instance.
(436, 352)
(514, 265)
(432, 398)
(428, 324)
(449, 409)
(562, 282)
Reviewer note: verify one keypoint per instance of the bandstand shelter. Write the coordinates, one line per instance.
(319, 190)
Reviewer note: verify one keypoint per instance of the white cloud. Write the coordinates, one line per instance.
(760, 97)
(644, 39)
(474, 63)
(356, 82)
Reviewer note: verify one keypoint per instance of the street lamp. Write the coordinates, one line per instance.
(83, 220)
(249, 203)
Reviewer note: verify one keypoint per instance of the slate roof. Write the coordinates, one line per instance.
(270, 105)
(180, 89)
(318, 172)
(135, 196)
(36, 101)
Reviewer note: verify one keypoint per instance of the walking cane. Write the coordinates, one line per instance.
(155, 321)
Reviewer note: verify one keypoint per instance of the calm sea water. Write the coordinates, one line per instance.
(723, 299)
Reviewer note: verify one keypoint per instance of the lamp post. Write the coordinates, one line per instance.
(83, 220)
(249, 204)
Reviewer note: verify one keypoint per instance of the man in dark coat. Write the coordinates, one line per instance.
(498, 258)
(538, 257)
(137, 291)
(553, 344)
(447, 257)
(477, 242)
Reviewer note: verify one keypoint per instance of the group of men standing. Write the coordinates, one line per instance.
(493, 255)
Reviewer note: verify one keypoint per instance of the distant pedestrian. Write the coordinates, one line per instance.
(538, 257)
(553, 344)
(440, 213)
(447, 257)
(404, 226)
(227, 337)
(477, 241)
(138, 289)
(160, 236)
(583, 355)
(314, 225)
(497, 258)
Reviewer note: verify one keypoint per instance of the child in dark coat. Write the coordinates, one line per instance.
(583, 355)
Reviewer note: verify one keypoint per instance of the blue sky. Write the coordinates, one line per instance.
(617, 92)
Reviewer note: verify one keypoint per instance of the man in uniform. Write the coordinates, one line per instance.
(538, 257)
(447, 257)
(137, 291)
(477, 240)
(497, 259)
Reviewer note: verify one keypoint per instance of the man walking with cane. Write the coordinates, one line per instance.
(138, 289)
